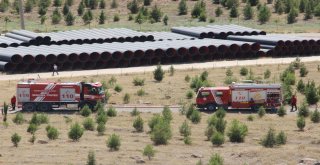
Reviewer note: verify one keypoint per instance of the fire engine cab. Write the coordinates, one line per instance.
(240, 96)
(35, 95)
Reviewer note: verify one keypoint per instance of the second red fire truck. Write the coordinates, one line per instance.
(35, 95)
(240, 96)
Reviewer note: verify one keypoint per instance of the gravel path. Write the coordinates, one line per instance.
(214, 64)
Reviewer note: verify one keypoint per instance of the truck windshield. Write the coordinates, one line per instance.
(100, 90)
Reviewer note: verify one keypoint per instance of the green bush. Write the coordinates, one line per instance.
(141, 92)
(300, 86)
(248, 12)
(69, 19)
(53, 133)
(43, 118)
(264, 14)
(303, 71)
(32, 139)
(116, 18)
(281, 138)
(261, 111)
(220, 125)
(111, 112)
(267, 74)
(315, 116)
(250, 118)
(195, 117)
(166, 113)
(76, 132)
(91, 159)
(114, 142)
(15, 139)
(229, 80)
(187, 78)
(270, 139)
(135, 112)
(218, 11)
(244, 71)
(154, 120)
(32, 128)
(138, 81)
(18, 119)
(198, 82)
(98, 106)
(312, 96)
(210, 130)
(303, 110)
(88, 124)
(190, 110)
(158, 73)
(114, 4)
(161, 132)
(281, 111)
(220, 113)
(138, 124)
(317, 10)
(101, 128)
(101, 118)
(185, 129)
(204, 76)
(212, 120)
(189, 94)
(216, 159)
(171, 70)
(301, 123)
(126, 98)
(217, 138)
(149, 151)
(35, 119)
(234, 12)
(237, 131)
(85, 111)
(187, 140)
(118, 88)
(183, 7)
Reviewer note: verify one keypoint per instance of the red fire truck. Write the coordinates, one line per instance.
(240, 96)
(34, 95)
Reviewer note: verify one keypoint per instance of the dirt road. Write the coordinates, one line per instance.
(214, 64)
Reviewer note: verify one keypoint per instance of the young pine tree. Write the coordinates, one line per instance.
(248, 12)
(69, 19)
(234, 12)
(102, 17)
(80, 9)
(183, 8)
(56, 16)
(264, 14)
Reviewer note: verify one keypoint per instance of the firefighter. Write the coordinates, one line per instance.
(293, 103)
(13, 102)
(55, 69)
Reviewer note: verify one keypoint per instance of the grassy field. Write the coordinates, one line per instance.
(277, 23)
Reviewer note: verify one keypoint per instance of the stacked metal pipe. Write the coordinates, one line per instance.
(216, 31)
(126, 54)
(23, 38)
(282, 44)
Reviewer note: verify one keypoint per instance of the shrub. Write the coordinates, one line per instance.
(138, 124)
(15, 139)
(114, 142)
(161, 132)
(303, 110)
(56, 16)
(69, 19)
(217, 138)
(76, 132)
(171, 70)
(190, 110)
(101, 118)
(281, 111)
(261, 111)
(130, 17)
(18, 119)
(187, 140)
(91, 158)
(187, 78)
(32, 128)
(229, 80)
(183, 7)
(292, 15)
(53, 133)
(118, 88)
(98, 106)
(301, 123)
(167, 114)
(244, 71)
(237, 131)
(264, 14)
(250, 118)
(270, 139)
(111, 112)
(189, 94)
(102, 4)
(281, 138)
(216, 159)
(126, 98)
(141, 92)
(220, 125)
(114, 4)
(148, 151)
(138, 81)
(158, 73)
(203, 16)
(101, 128)
(185, 129)
(315, 116)
(67, 119)
(267, 74)
(195, 117)
(212, 120)
(220, 113)
(154, 120)
(234, 12)
(43, 118)
(88, 124)
(248, 12)
(133, 7)
(317, 10)
(80, 9)
(32, 139)
(229, 72)
(218, 11)
(135, 112)
(85, 111)
(204, 76)
(303, 71)
(35, 119)
(209, 131)
(312, 96)
(300, 86)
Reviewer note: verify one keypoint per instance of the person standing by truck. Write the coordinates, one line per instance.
(55, 69)
(13, 102)
(293, 103)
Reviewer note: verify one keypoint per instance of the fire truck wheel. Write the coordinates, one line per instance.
(44, 107)
(211, 107)
(29, 107)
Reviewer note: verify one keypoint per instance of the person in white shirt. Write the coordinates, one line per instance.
(55, 69)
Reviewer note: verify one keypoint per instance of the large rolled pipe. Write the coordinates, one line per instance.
(33, 67)
(28, 59)
(84, 57)
(45, 67)
(203, 50)
(78, 65)
(89, 65)
(170, 52)
(61, 58)
(94, 56)
(100, 64)
(111, 64)
(128, 55)
(39, 59)
(67, 66)
(123, 63)
(7, 66)
(193, 51)
(135, 62)
(105, 56)
(117, 56)
(259, 39)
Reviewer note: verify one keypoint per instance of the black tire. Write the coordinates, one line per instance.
(44, 107)
(29, 107)
(211, 107)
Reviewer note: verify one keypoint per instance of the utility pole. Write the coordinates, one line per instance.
(21, 14)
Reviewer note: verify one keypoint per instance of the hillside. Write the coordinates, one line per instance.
(277, 23)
